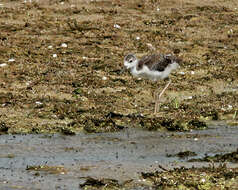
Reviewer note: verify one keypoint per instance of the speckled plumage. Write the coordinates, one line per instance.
(153, 67)
(156, 62)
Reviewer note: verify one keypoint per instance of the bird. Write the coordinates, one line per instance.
(154, 67)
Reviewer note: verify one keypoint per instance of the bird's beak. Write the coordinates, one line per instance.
(123, 70)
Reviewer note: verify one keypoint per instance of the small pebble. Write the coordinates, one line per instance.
(117, 26)
(3, 65)
(25, 1)
(64, 45)
(137, 38)
(182, 73)
(39, 103)
(158, 9)
(50, 47)
(54, 55)
(150, 46)
(104, 78)
(195, 139)
(192, 72)
(203, 180)
(11, 60)
(189, 97)
(28, 83)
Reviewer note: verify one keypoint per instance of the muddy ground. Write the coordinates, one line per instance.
(60, 64)
(132, 159)
(48, 87)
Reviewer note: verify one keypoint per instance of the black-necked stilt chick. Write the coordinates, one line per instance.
(154, 67)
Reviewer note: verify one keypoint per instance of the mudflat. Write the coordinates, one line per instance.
(60, 64)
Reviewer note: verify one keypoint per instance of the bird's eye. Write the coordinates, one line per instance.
(130, 61)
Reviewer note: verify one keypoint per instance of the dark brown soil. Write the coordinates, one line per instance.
(195, 178)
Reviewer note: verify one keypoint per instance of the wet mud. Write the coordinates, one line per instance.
(127, 158)
(60, 64)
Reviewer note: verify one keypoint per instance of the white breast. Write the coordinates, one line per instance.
(145, 72)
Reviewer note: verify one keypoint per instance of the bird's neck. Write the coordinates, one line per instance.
(133, 67)
(134, 70)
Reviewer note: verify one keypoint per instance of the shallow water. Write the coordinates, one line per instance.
(122, 155)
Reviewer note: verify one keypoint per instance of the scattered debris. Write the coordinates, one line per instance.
(48, 169)
(64, 45)
(104, 78)
(183, 155)
(117, 26)
(3, 65)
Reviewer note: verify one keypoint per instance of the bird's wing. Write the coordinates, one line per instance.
(161, 63)
(148, 60)
(156, 62)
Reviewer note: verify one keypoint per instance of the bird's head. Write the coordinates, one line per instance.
(130, 61)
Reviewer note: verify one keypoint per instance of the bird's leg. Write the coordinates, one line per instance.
(157, 99)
